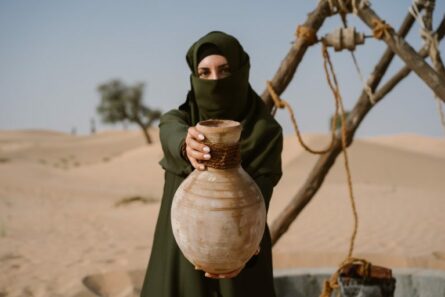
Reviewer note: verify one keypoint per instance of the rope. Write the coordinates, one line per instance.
(280, 103)
(341, 6)
(224, 156)
(431, 41)
(332, 283)
(358, 6)
(338, 6)
(307, 34)
(365, 84)
(441, 112)
(381, 29)
(339, 110)
(414, 11)
(333, 84)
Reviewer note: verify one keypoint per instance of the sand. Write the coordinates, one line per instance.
(61, 221)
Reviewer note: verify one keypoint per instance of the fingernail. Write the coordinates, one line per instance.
(202, 167)
(206, 149)
(207, 156)
(201, 137)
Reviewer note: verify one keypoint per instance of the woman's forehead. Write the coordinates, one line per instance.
(226, 44)
(213, 61)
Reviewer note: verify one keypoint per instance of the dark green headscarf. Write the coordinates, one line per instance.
(225, 98)
(233, 98)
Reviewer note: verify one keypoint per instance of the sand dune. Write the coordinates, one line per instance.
(413, 142)
(59, 221)
(399, 194)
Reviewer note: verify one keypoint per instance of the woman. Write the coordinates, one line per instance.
(219, 89)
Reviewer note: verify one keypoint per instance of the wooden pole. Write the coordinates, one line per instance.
(402, 73)
(289, 65)
(325, 162)
(411, 58)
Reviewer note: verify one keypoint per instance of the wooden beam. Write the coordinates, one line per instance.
(399, 46)
(402, 73)
(289, 65)
(325, 162)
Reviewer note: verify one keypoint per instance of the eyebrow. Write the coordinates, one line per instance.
(219, 67)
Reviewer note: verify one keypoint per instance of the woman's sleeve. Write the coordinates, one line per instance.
(266, 184)
(173, 128)
(268, 177)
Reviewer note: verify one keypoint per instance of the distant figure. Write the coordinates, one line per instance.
(92, 126)
(219, 89)
(73, 131)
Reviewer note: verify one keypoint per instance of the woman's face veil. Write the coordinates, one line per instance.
(225, 98)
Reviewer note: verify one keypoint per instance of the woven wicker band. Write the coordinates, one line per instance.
(224, 156)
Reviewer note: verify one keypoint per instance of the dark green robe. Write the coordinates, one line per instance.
(169, 273)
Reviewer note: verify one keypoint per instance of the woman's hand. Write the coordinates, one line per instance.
(229, 274)
(195, 150)
(225, 275)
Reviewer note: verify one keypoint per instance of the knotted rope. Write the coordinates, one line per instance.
(341, 6)
(338, 6)
(431, 41)
(358, 6)
(307, 34)
(381, 29)
(332, 283)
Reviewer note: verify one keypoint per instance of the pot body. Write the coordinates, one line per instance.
(218, 216)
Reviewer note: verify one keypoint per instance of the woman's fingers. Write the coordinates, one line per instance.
(198, 150)
(195, 150)
(195, 157)
(195, 138)
(225, 275)
(195, 163)
(196, 134)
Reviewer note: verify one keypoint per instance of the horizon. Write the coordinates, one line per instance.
(54, 55)
(135, 129)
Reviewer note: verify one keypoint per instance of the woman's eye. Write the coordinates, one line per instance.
(226, 72)
(203, 74)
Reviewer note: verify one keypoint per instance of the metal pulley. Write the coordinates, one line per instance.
(344, 38)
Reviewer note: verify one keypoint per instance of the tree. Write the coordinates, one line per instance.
(120, 103)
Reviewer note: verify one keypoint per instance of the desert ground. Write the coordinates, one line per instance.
(76, 206)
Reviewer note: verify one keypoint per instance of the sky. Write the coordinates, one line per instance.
(55, 53)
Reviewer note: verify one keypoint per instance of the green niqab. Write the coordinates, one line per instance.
(225, 98)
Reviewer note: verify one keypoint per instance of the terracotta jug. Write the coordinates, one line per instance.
(218, 215)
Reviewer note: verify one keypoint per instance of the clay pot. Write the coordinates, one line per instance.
(218, 216)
